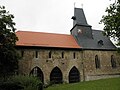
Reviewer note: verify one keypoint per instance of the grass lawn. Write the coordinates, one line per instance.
(103, 84)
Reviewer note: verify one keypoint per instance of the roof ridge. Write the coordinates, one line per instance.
(43, 32)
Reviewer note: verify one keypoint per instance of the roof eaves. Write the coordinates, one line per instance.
(67, 47)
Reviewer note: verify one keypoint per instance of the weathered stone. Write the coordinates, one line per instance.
(84, 62)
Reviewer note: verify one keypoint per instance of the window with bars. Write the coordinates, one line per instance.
(74, 75)
(36, 71)
(56, 76)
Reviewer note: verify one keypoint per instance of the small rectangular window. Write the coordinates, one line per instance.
(36, 54)
(50, 54)
(22, 53)
(74, 55)
(62, 54)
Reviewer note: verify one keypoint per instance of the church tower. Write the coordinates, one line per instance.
(80, 25)
(86, 37)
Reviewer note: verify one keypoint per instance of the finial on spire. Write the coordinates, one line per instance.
(82, 5)
(74, 4)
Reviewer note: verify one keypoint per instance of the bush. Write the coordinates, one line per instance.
(10, 86)
(28, 82)
(22, 82)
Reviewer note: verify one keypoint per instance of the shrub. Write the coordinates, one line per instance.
(10, 86)
(21, 82)
(28, 82)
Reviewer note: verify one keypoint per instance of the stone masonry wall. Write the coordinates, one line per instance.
(46, 64)
(105, 70)
(84, 61)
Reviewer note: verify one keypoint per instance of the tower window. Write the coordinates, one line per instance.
(36, 54)
(100, 42)
(113, 62)
(97, 62)
(50, 54)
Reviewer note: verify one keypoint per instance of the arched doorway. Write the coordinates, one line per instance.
(56, 76)
(36, 71)
(74, 75)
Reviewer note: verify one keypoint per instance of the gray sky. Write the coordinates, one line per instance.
(54, 16)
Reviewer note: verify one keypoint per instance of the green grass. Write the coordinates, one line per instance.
(103, 84)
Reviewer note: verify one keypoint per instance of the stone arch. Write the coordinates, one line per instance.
(36, 71)
(74, 75)
(56, 76)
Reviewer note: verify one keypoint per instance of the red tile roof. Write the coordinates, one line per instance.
(27, 38)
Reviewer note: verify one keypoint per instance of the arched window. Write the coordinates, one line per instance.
(50, 54)
(97, 62)
(36, 71)
(113, 62)
(56, 76)
(74, 75)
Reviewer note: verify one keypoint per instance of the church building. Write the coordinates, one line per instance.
(84, 55)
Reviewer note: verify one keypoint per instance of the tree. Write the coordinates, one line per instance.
(8, 38)
(111, 21)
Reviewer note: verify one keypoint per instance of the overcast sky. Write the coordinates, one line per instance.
(54, 16)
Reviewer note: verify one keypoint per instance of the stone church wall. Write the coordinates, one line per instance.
(106, 70)
(84, 61)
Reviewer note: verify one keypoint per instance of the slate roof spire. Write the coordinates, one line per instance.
(79, 17)
(80, 25)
